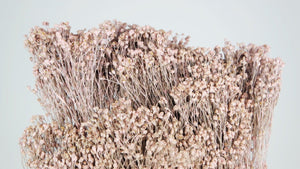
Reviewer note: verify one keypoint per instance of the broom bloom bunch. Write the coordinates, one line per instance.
(129, 96)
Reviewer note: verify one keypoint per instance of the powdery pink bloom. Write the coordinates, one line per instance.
(129, 96)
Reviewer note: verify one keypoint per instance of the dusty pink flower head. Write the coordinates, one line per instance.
(129, 96)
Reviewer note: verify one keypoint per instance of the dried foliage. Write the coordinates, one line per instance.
(126, 96)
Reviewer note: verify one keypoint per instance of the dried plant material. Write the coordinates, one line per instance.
(126, 96)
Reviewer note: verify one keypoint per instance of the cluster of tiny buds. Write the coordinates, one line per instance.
(129, 96)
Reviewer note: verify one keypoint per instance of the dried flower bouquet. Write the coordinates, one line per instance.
(129, 96)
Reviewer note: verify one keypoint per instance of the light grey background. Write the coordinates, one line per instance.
(274, 22)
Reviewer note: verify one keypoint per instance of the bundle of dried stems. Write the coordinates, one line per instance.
(129, 96)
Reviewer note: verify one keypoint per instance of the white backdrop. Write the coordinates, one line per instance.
(274, 22)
